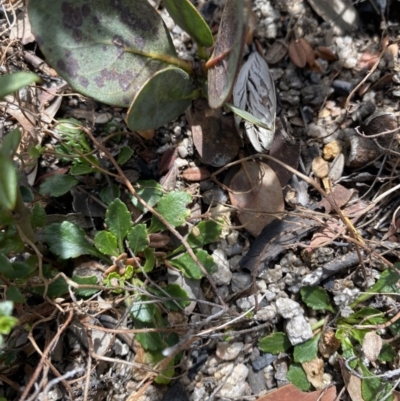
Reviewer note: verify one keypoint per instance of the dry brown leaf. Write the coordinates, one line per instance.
(147, 135)
(214, 134)
(352, 383)
(325, 53)
(325, 235)
(286, 152)
(196, 174)
(371, 346)
(297, 55)
(315, 372)
(292, 393)
(276, 52)
(328, 344)
(257, 193)
(339, 195)
(320, 167)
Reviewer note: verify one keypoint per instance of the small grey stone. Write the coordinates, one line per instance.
(256, 381)
(223, 275)
(263, 361)
(183, 151)
(288, 308)
(236, 384)
(240, 281)
(228, 352)
(268, 313)
(246, 303)
(298, 330)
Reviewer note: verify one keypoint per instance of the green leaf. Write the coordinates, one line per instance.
(119, 221)
(105, 50)
(189, 19)
(367, 315)
(6, 218)
(10, 83)
(150, 191)
(10, 241)
(14, 294)
(248, 117)
(373, 388)
(137, 238)
(174, 291)
(27, 194)
(150, 341)
(144, 312)
(229, 46)
(387, 282)
(5, 264)
(306, 351)
(55, 290)
(173, 208)
(106, 243)
(150, 261)
(8, 183)
(297, 376)
(161, 99)
(204, 233)
(387, 353)
(316, 298)
(275, 343)
(82, 169)
(108, 194)
(67, 240)
(10, 142)
(58, 185)
(19, 270)
(189, 267)
(7, 322)
(124, 155)
(88, 280)
(38, 215)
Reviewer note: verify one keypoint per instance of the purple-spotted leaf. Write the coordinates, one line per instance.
(189, 19)
(164, 97)
(254, 92)
(224, 62)
(104, 49)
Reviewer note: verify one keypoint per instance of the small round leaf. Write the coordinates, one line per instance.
(164, 97)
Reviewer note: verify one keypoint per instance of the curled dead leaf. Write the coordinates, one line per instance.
(372, 345)
(196, 174)
(257, 194)
(301, 53)
(328, 344)
(320, 167)
(315, 371)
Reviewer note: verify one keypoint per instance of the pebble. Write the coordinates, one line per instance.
(247, 302)
(199, 394)
(281, 369)
(240, 281)
(256, 381)
(236, 384)
(298, 330)
(229, 352)
(263, 361)
(288, 308)
(223, 275)
(268, 313)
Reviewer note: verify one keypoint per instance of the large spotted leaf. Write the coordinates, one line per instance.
(227, 52)
(105, 49)
(164, 97)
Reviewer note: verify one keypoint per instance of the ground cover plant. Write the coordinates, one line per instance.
(113, 269)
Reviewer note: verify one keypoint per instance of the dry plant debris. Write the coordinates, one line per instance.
(222, 254)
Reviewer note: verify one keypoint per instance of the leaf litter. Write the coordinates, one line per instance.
(274, 258)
